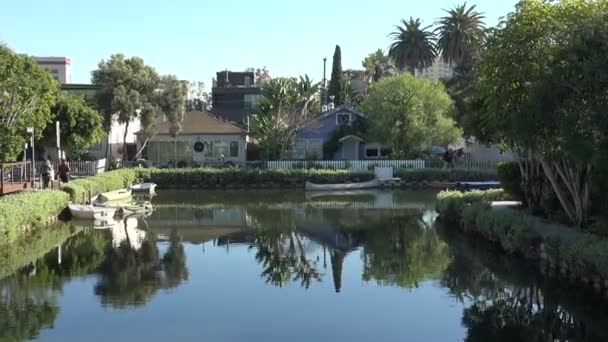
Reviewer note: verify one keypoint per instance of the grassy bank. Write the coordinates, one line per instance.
(573, 254)
(24, 250)
(27, 211)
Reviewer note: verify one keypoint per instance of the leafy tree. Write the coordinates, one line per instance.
(413, 46)
(548, 102)
(410, 113)
(171, 100)
(459, 35)
(198, 99)
(127, 89)
(262, 75)
(378, 65)
(283, 111)
(81, 126)
(337, 78)
(27, 94)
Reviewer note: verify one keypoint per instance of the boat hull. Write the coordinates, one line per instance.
(87, 212)
(117, 195)
(342, 187)
(144, 188)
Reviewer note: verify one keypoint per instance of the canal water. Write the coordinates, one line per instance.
(288, 266)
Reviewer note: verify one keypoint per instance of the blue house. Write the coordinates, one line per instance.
(348, 146)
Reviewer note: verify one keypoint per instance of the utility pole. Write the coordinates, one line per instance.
(324, 100)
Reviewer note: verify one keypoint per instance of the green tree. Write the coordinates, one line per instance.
(413, 46)
(378, 65)
(27, 94)
(337, 78)
(459, 35)
(81, 126)
(548, 102)
(282, 113)
(411, 114)
(127, 90)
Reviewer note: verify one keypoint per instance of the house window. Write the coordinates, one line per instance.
(234, 149)
(314, 149)
(299, 150)
(221, 148)
(183, 151)
(208, 149)
(343, 119)
(371, 153)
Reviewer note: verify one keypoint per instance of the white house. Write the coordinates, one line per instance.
(203, 139)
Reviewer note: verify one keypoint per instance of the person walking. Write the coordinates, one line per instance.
(64, 172)
(46, 173)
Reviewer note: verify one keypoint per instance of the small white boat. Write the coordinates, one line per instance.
(146, 188)
(117, 195)
(374, 183)
(137, 208)
(89, 212)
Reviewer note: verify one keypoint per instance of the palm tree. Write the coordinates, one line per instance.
(459, 34)
(413, 47)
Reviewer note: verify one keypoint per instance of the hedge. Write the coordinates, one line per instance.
(585, 256)
(239, 178)
(450, 204)
(31, 209)
(79, 190)
(23, 251)
(439, 175)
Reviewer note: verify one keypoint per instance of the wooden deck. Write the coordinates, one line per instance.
(15, 177)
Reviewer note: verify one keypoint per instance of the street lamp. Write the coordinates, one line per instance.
(30, 132)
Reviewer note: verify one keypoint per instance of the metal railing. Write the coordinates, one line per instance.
(79, 168)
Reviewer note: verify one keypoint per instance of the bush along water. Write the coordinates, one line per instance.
(246, 178)
(81, 190)
(579, 256)
(26, 211)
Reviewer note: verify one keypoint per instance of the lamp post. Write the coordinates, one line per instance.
(30, 132)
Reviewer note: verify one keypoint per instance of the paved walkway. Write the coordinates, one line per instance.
(542, 226)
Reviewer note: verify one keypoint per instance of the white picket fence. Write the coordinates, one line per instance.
(80, 168)
(354, 165)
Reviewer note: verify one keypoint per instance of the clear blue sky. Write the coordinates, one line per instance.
(194, 39)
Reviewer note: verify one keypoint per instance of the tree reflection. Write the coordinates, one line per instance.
(511, 302)
(131, 277)
(28, 302)
(280, 250)
(401, 251)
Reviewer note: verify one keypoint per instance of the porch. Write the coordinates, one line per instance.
(15, 177)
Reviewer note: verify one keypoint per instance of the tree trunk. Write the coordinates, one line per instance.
(125, 153)
(570, 182)
(411, 70)
(143, 147)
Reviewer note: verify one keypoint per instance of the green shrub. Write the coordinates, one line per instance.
(235, 177)
(585, 256)
(28, 210)
(473, 213)
(438, 175)
(79, 190)
(509, 176)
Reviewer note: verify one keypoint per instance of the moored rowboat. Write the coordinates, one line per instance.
(89, 212)
(114, 196)
(146, 188)
(340, 187)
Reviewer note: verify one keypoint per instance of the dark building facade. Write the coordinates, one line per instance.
(234, 95)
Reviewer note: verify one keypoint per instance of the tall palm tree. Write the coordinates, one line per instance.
(413, 47)
(459, 34)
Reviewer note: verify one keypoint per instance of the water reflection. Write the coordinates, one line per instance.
(314, 245)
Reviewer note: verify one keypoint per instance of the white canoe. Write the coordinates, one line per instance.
(89, 212)
(341, 187)
(147, 188)
(117, 195)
